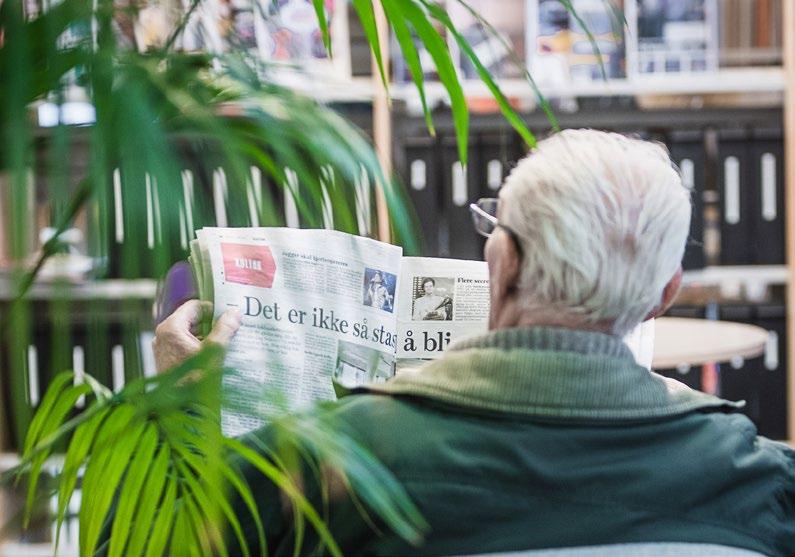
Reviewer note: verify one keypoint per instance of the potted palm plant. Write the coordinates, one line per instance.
(154, 114)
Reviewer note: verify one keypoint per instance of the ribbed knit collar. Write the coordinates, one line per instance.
(550, 373)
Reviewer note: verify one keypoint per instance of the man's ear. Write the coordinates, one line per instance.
(668, 296)
(509, 264)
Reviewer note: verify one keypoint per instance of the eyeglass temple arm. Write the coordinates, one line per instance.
(475, 209)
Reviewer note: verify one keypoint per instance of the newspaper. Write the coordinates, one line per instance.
(319, 305)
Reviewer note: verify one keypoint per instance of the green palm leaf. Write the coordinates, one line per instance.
(78, 450)
(284, 484)
(591, 39)
(364, 8)
(116, 441)
(55, 411)
(394, 12)
(520, 65)
(505, 107)
(157, 478)
(437, 48)
(166, 517)
(129, 493)
(320, 12)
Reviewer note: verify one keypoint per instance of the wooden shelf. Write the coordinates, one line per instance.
(747, 274)
(114, 289)
(330, 89)
(730, 80)
(789, 171)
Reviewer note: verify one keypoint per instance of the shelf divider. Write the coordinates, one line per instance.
(789, 159)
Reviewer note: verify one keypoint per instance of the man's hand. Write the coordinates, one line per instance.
(175, 338)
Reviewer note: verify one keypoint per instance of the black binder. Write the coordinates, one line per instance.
(491, 167)
(737, 379)
(736, 191)
(421, 173)
(767, 154)
(458, 238)
(771, 375)
(760, 381)
(688, 153)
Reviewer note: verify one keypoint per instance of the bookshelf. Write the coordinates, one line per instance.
(732, 77)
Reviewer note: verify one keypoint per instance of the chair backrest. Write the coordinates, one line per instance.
(636, 550)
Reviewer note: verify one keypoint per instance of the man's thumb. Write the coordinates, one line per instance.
(225, 328)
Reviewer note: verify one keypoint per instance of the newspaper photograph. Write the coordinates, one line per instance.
(315, 304)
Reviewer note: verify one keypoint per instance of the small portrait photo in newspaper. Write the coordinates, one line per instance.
(433, 299)
(379, 289)
(359, 365)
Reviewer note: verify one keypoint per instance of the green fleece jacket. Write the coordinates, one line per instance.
(545, 437)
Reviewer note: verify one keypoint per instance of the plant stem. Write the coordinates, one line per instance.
(181, 26)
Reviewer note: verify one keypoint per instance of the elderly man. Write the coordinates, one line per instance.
(544, 432)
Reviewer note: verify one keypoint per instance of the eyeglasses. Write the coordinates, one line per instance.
(484, 217)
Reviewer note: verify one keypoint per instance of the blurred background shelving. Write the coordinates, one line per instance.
(712, 79)
(726, 121)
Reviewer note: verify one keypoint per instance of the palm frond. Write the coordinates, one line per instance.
(164, 433)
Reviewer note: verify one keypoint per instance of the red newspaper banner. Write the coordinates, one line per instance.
(248, 264)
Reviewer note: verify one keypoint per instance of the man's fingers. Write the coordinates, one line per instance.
(175, 339)
(205, 316)
(190, 313)
(226, 327)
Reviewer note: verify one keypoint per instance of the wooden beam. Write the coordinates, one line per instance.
(382, 122)
(788, 29)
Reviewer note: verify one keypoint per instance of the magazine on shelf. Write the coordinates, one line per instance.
(288, 32)
(321, 304)
(280, 32)
(672, 37)
(558, 48)
(500, 49)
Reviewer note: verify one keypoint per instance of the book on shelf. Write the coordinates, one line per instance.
(750, 32)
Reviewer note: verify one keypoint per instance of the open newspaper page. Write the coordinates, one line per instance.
(316, 304)
(441, 300)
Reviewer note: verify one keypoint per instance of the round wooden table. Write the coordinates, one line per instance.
(679, 341)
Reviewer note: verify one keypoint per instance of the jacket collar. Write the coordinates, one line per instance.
(551, 373)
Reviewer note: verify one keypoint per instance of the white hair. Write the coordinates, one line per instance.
(602, 220)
